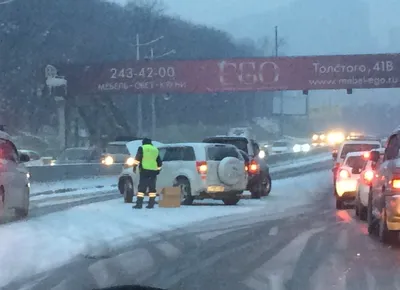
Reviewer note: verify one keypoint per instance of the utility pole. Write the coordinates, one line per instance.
(153, 105)
(280, 92)
(139, 104)
(153, 96)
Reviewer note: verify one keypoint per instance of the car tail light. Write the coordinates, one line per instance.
(367, 155)
(201, 167)
(254, 167)
(368, 176)
(344, 174)
(396, 183)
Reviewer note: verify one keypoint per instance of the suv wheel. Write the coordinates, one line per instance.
(267, 185)
(339, 204)
(370, 217)
(186, 191)
(23, 211)
(385, 235)
(127, 190)
(360, 209)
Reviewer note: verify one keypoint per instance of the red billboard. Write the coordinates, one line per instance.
(227, 75)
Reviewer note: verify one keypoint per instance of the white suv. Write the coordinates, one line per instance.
(202, 170)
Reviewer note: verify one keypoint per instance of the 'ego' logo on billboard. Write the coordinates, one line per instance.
(248, 73)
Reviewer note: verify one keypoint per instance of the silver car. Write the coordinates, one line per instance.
(14, 180)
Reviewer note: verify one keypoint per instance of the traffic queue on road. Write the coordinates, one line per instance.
(366, 172)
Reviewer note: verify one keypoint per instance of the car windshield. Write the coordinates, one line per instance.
(117, 149)
(280, 144)
(217, 153)
(348, 148)
(75, 154)
(356, 162)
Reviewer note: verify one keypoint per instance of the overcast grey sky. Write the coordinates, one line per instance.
(384, 13)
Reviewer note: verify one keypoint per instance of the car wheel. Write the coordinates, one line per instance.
(370, 217)
(186, 191)
(267, 185)
(339, 204)
(24, 210)
(357, 206)
(385, 235)
(127, 187)
(362, 212)
(2, 201)
(231, 200)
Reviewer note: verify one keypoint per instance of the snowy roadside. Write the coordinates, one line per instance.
(109, 183)
(52, 240)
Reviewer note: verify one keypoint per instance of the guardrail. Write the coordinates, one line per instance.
(76, 171)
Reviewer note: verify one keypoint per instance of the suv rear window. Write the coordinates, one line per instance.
(348, 148)
(217, 153)
(184, 153)
(356, 162)
(240, 143)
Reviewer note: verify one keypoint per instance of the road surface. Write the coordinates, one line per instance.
(310, 247)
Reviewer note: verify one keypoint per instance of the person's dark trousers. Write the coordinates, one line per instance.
(147, 181)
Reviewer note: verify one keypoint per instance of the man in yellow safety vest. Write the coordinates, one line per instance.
(149, 161)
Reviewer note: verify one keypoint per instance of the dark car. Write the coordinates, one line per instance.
(259, 183)
(383, 210)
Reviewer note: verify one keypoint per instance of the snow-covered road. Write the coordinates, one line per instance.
(55, 196)
(42, 243)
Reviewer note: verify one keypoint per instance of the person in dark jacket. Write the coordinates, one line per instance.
(149, 162)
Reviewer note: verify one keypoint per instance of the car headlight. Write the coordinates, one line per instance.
(108, 160)
(315, 137)
(52, 162)
(130, 162)
(296, 148)
(261, 154)
(305, 147)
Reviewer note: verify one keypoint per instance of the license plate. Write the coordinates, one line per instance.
(215, 188)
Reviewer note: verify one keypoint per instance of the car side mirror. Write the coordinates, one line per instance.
(334, 155)
(374, 156)
(24, 158)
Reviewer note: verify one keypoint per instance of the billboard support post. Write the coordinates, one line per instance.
(280, 92)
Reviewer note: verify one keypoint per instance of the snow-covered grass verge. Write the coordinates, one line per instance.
(44, 188)
(40, 244)
(301, 162)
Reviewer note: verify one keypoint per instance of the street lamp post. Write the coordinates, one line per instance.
(153, 96)
(139, 105)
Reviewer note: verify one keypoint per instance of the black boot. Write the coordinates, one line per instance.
(139, 203)
(152, 201)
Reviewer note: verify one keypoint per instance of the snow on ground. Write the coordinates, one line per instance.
(302, 162)
(77, 184)
(49, 241)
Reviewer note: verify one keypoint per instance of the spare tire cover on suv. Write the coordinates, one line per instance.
(230, 170)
